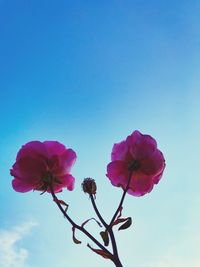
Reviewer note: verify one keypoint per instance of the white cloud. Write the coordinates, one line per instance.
(11, 253)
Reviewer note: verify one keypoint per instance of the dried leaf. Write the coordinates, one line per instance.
(126, 225)
(85, 222)
(120, 212)
(105, 237)
(63, 203)
(120, 220)
(76, 241)
(104, 254)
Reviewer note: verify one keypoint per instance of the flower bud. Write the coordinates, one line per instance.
(89, 186)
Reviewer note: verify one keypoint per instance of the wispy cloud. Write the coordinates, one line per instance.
(11, 253)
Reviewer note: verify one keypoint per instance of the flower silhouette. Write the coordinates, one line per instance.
(138, 159)
(42, 166)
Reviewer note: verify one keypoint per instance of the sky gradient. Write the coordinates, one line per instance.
(87, 74)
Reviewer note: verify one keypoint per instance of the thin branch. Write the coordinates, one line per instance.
(109, 229)
(76, 225)
(121, 202)
(97, 211)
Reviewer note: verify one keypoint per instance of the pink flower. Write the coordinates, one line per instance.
(139, 157)
(39, 164)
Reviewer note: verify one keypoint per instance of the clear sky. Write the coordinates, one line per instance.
(88, 73)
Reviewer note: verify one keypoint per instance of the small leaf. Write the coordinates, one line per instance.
(120, 220)
(105, 237)
(85, 222)
(120, 212)
(63, 203)
(126, 225)
(104, 254)
(76, 241)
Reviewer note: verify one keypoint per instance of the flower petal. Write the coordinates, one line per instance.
(32, 149)
(66, 181)
(117, 172)
(119, 151)
(20, 186)
(141, 145)
(140, 184)
(157, 178)
(65, 162)
(30, 167)
(54, 148)
(154, 164)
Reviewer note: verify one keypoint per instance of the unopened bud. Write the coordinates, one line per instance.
(89, 186)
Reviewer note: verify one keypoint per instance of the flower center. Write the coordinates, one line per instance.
(46, 181)
(134, 165)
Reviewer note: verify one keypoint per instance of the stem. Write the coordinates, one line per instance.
(121, 202)
(76, 225)
(110, 231)
(109, 228)
(114, 245)
(97, 211)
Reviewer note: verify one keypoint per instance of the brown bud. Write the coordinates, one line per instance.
(89, 186)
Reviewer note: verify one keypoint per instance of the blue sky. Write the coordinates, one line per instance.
(87, 74)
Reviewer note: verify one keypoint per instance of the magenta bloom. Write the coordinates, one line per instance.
(39, 164)
(139, 157)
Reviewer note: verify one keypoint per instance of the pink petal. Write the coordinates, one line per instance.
(68, 182)
(65, 162)
(30, 169)
(157, 178)
(54, 148)
(141, 146)
(64, 181)
(20, 186)
(32, 149)
(120, 151)
(117, 172)
(154, 164)
(140, 184)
